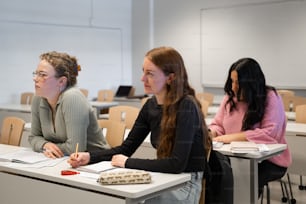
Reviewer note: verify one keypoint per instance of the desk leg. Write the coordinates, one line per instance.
(245, 172)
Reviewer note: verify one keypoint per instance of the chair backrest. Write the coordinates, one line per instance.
(205, 105)
(206, 96)
(300, 114)
(284, 92)
(84, 91)
(290, 102)
(105, 95)
(144, 100)
(11, 131)
(124, 114)
(203, 191)
(26, 98)
(132, 92)
(114, 131)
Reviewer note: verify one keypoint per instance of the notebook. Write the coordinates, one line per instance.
(24, 156)
(97, 167)
(247, 147)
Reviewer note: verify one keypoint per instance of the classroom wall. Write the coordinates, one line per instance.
(177, 24)
(97, 32)
(126, 30)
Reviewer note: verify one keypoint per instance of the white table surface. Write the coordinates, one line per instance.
(51, 176)
(291, 116)
(100, 105)
(294, 128)
(245, 171)
(16, 107)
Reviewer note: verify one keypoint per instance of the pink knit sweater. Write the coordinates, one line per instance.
(270, 130)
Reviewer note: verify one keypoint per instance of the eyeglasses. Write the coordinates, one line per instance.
(42, 75)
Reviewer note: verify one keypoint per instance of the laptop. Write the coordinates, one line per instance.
(124, 91)
(128, 92)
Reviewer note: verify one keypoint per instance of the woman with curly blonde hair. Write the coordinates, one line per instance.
(61, 115)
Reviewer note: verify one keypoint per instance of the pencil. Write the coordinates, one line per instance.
(76, 149)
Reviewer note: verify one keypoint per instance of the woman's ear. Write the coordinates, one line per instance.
(63, 81)
(171, 77)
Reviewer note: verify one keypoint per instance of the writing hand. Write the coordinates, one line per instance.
(119, 160)
(82, 158)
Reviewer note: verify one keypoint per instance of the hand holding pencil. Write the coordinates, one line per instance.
(76, 150)
(78, 158)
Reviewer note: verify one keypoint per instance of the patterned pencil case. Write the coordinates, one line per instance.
(124, 177)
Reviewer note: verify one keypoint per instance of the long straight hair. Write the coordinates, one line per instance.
(252, 90)
(170, 62)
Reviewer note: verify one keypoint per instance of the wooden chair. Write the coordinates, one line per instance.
(205, 105)
(114, 131)
(84, 91)
(144, 100)
(11, 131)
(26, 98)
(202, 196)
(124, 114)
(290, 102)
(300, 113)
(284, 92)
(206, 96)
(132, 92)
(105, 95)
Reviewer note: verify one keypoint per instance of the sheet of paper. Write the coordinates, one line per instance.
(97, 167)
(25, 156)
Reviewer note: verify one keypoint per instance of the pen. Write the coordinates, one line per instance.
(76, 150)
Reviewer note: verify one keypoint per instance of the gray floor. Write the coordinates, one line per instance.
(276, 192)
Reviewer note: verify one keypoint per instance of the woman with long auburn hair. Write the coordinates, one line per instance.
(174, 118)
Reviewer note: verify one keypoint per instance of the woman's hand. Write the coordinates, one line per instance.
(223, 138)
(51, 150)
(230, 137)
(79, 159)
(119, 160)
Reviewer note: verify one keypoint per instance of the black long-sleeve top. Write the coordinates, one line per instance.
(188, 153)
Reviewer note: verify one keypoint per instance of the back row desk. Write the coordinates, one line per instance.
(19, 110)
(46, 185)
(296, 138)
(24, 111)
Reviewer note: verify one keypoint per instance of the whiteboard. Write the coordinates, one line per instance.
(272, 33)
(97, 49)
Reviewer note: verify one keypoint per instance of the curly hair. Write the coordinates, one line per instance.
(64, 65)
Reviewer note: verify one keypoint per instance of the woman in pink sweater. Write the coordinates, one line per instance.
(252, 111)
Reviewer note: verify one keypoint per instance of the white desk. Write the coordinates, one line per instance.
(245, 172)
(46, 185)
(217, 99)
(296, 138)
(291, 116)
(24, 111)
(99, 105)
(212, 110)
(135, 102)
(18, 110)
